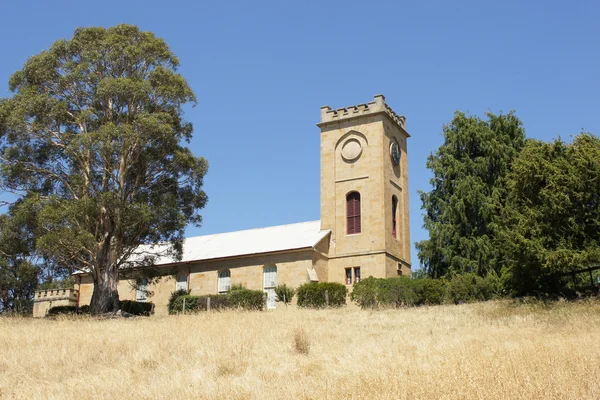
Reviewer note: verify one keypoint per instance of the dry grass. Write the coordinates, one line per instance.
(483, 351)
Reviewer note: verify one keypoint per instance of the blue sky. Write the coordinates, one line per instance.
(261, 70)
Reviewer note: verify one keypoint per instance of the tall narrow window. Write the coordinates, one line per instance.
(270, 277)
(353, 213)
(224, 281)
(394, 210)
(269, 284)
(348, 276)
(356, 274)
(142, 290)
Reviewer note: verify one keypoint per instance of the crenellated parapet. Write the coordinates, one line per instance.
(378, 105)
(43, 300)
(55, 294)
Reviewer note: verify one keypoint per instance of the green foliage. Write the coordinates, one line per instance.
(252, 300)
(137, 307)
(174, 296)
(285, 293)
(18, 272)
(430, 291)
(93, 135)
(552, 220)
(406, 292)
(58, 310)
(469, 190)
(312, 295)
(198, 303)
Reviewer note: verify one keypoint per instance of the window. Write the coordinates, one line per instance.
(353, 213)
(394, 210)
(269, 283)
(142, 290)
(349, 275)
(270, 277)
(182, 283)
(224, 281)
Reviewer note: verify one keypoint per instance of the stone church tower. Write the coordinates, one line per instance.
(364, 191)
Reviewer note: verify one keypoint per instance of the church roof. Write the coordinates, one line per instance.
(249, 242)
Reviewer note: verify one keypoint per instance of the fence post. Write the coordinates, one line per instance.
(183, 308)
(284, 300)
(327, 298)
(208, 304)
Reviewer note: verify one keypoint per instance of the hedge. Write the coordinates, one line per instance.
(240, 298)
(57, 310)
(137, 307)
(312, 295)
(128, 306)
(245, 299)
(405, 292)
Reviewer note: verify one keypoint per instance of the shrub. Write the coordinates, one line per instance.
(430, 291)
(175, 295)
(62, 310)
(84, 309)
(137, 307)
(365, 293)
(397, 292)
(285, 293)
(198, 303)
(312, 294)
(247, 299)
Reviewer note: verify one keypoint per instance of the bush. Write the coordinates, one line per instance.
(397, 292)
(366, 292)
(136, 307)
(285, 293)
(312, 294)
(247, 299)
(430, 291)
(404, 291)
(198, 303)
(174, 296)
(391, 292)
(62, 310)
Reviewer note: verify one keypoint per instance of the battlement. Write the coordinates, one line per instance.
(377, 106)
(55, 294)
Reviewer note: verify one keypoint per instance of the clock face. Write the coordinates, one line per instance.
(395, 153)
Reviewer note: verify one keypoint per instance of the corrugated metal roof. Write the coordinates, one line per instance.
(248, 242)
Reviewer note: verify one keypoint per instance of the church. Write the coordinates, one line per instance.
(363, 230)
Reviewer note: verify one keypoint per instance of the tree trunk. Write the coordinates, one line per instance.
(105, 297)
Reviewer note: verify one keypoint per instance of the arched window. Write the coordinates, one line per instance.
(394, 211)
(270, 277)
(269, 284)
(224, 281)
(353, 213)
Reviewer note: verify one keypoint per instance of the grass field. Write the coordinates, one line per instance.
(494, 350)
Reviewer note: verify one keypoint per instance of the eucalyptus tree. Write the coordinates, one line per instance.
(94, 130)
(468, 194)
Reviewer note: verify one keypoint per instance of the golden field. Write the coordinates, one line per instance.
(494, 350)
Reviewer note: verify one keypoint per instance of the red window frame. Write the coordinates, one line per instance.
(353, 224)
